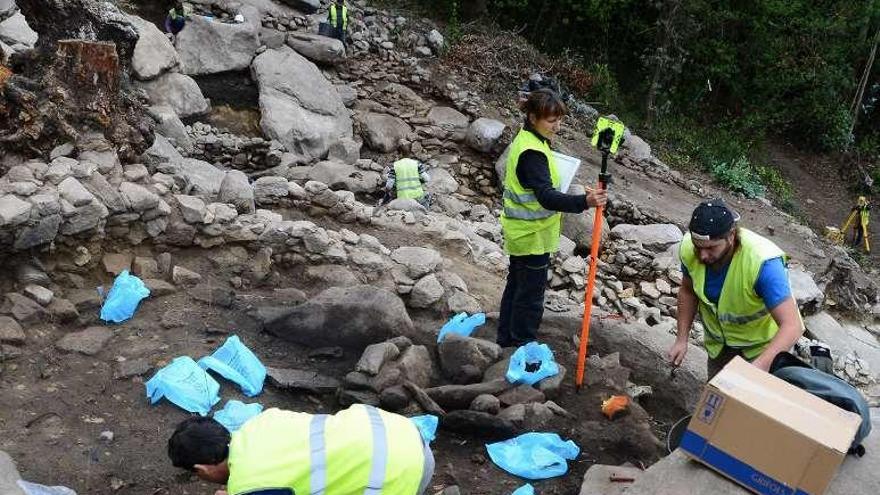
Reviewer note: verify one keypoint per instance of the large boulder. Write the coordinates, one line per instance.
(209, 47)
(808, 295)
(451, 120)
(465, 359)
(317, 48)
(579, 226)
(637, 148)
(199, 178)
(383, 132)
(845, 339)
(7, 8)
(657, 236)
(442, 183)
(344, 316)
(484, 133)
(153, 54)
(169, 125)
(237, 191)
(300, 108)
(338, 176)
(178, 91)
(304, 6)
(16, 33)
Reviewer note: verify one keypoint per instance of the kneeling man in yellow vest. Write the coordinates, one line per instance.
(739, 282)
(361, 450)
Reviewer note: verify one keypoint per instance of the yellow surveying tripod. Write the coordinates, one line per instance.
(860, 229)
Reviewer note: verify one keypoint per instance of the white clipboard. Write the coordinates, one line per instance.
(567, 166)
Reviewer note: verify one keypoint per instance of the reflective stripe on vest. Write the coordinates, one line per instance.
(408, 183)
(344, 16)
(740, 319)
(528, 228)
(345, 453)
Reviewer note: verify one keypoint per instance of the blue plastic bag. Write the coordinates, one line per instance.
(186, 385)
(526, 489)
(235, 362)
(427, 425)
(37, 489)
(534, 456)
(461, 324)
(124, 297)
(531, 355)
(236, 413)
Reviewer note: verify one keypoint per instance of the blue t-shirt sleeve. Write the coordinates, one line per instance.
(772, 285)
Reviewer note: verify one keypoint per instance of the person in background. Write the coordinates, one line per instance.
(738, 281)
(175, 21)
(407, 178)
(337, 16)
(531, 221)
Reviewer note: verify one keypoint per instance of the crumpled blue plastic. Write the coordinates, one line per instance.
(236, 413)
(526, 489)
(532, 353)
(534, 456)
(124, 297)
(461, 324)
(186, 385)
(427, 425)
(235, 362)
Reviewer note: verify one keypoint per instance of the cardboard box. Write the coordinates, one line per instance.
(767, 435)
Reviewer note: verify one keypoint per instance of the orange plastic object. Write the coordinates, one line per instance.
(614, 405)
(588, 296)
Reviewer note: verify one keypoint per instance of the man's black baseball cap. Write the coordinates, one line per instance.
(712, 219)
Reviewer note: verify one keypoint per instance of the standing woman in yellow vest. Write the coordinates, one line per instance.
(337, 16)
(739, 282)
(361, 450)
(531, 220)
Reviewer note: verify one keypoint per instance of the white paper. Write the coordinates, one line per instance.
(567, 166)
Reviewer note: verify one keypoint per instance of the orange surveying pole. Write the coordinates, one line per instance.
(604, 144)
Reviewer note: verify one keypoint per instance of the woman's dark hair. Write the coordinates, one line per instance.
(198, 440)
(543, 103)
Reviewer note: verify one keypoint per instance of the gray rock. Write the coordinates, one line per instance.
(638, 149)
(106, 161)
(199, 178)
(16, 33)
(462, 302)
(7, 8)
(483, 134)
(236, 190)
(74, 192)
(304, 6)
(317, 48)
(579, 226)
(8, 473)
(39, 293)
(442, 182)
(131, 368)
(145, 267)
(331, 275)
(23, 309)
(299, 106)
(449, 119)
(453, 397)
(185, 277)
(521, 394)
(43, 232)
(347, 397)
(808, 295)
(210, 47)
(348, 94)
(158, 287)
(394, 398)
(162, 151)
(153, 54)
(465, 359)
(46, 204)
(106, 193)
(345, 150)
(89, 341)
(654, 236)
(338, 175)
(63, 310)
(603, 479)
(137, 197)
(272, 38)
(84, 218)
(268, 190)
(415, 364)
(426, 292)
(436, 40)
(486, 403)
(375, 356)
(13, 210)
(169, 125)
(178, 91)
(293, 379)
(192, 208)
(485, 426)
(10, 331)
(551, 386)
(349, 317)
(405, 204)
(383, 132)
(59, 169)
(115, 263)
(845, 339)
(86, 301)
(418, 261)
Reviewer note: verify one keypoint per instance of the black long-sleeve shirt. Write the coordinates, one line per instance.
(533, 172)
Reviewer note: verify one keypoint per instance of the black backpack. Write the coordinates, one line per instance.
(827, 387)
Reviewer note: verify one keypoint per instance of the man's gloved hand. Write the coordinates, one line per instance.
(820, 358)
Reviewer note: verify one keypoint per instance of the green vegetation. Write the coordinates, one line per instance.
(716, 78)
